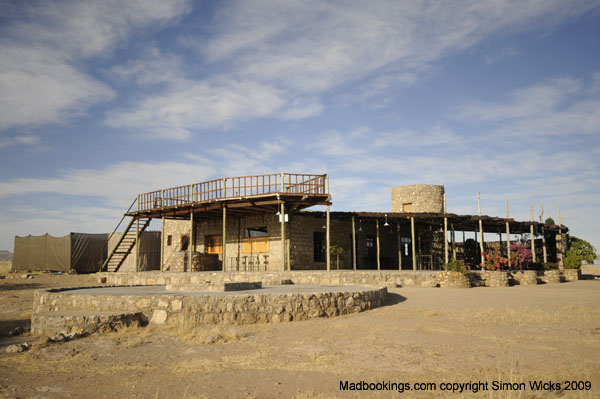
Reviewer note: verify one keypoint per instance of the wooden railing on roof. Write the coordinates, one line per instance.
(233, 187)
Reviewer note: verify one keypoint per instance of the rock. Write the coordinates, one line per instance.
(159, 317)
(24, 276)
(102, 280)
(60, 337)
(212, 339)
(30, 277)
(428, 284)
(17, 348)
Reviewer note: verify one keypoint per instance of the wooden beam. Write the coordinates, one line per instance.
(282, 228)
(480, 231)
(412, 239)
(328, 239)
(190, 242)
(544, 252)
(445, 232)
(162, 243)
(353, 244)
(453, 241)
(378, 249)
(532, 237)
(224, 244)
(399, 239)
(561, 245)
(507, 235)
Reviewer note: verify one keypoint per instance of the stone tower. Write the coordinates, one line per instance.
(418, 198)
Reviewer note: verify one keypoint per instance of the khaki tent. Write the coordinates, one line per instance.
(75, 252)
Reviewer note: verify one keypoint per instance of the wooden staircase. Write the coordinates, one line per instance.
(124, 245)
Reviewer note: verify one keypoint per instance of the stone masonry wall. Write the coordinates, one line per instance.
(390, 278)
(212, 309)
(423, 197)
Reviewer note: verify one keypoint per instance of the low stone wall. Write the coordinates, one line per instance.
(525, 277)
(83, 323)
(172, 309)
(571, 274)
(486, 278)
(387, 278)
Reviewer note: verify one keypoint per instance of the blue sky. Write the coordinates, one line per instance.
(102, 100)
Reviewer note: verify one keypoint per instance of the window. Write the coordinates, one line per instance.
(169, 239)
(407, 207)
(213, 244)
(319, 246)
(256, 240)
(185, 242)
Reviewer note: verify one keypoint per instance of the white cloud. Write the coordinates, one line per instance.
(118, 184)
(558, 107)
(290, 53)
(25, 140)
(193, 105)
(153, 67)
(41, 75)
(504, 53)
(314, 47)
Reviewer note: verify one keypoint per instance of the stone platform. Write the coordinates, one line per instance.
(271, 304)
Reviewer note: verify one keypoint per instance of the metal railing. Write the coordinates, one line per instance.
(233, 187)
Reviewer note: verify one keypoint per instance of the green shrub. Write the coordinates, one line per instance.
(572, 261)
(550, 266)
(456, 266)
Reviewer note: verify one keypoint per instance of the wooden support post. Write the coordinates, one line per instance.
(328, 234)
(137, 245)
(162, 243)
(378, 249)
(353, 244)
(507, 234)
(532, 238)
(328, 239)
(224, 244)
(191, 242)
(283, 250)
(481, 247)
(287, 245)
(453, 241)
(544, 251)
(560, 244)
(412, 239)
(445, 232)
(399, 246)
(137, 238)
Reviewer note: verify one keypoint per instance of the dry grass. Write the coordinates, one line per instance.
(208, 335)
(531, 317)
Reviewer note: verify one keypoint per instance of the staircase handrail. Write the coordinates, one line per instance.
(114, 231)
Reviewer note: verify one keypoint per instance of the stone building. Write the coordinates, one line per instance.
(254, 223)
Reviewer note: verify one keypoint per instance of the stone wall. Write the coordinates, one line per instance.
(389, 278)
(378, 278)
(177, 310)
(176, 260)
(423, 197)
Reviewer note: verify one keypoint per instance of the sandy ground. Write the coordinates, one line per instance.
(422, 335)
